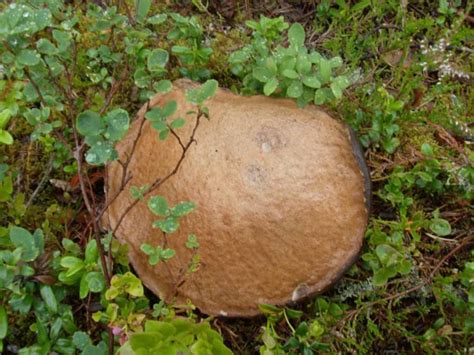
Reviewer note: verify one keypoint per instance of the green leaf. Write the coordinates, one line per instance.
(92, 253)
(192, 242)
(147, 249)
(28, 57)
(134, 286)
(296, 35)
(154, 115)
(159, 126)
(440, 227)
(312, 82)
(336, 90)
(164, 134)
(5, 116)
(302, 329)
(154, 259)
(270, 86)
(290, 73)
(142, 8)
(169, 109)
(183, 209)
(295, 89)
(387, 255)
(427, 150)
(118, 123)
(342, 81)
(167, 254)
(71, 262)
(95, 281)
(320, 97)
(49, 298)
(83, 287)
(38, 238)
(208, 89)
(3, 322)
(391, 144)
(205, 92)
(303, 64)
(141, 78)
(158, 205)
(157, 19)
(89, 123)
(5, 137)
(325, 70)
(81, 340)
(271, 65)
(336, 62)
(101, 152)
(157, 60)
(42, 18)
(178, 123)
(23, 239)
(163, 86)
(380, 277)
(169, 225)
(262, 74)
(46, 47)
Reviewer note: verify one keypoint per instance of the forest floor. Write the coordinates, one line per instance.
(411, 103)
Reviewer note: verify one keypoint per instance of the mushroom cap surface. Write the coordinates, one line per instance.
(281, 195)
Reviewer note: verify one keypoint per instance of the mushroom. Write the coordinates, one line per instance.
(282, 202)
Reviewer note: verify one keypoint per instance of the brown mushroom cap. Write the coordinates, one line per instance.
(280, 196)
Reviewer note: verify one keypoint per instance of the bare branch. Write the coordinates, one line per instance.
(159, 181)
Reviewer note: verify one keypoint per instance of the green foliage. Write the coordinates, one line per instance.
(177, 336)
(304, 338)
(291, 71)
(159, 207)
(126, 283)
(384, 127)
(157, 254)
(199, 95)
(85, 270)
(101, 133)
(72, 76)
(190, 49)
(52, 319)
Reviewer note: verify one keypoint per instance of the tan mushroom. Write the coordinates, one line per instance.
(281, 195)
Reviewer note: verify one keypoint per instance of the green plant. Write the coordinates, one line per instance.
(22, 283)
(383, 123)
(292, 71)
(190, 49)
(177, 336)
(72, 77)
(85, 271)
(305, 338)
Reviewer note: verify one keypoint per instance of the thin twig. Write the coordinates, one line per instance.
(42, 182)
(159, 181)
(113, 90)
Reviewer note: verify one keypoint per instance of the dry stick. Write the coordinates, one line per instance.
(177, 137)
(42, 182)
(134, 145)
(91, 210)
(78, 157)
(113, 89)
(37, 89)
(158, 182)
(125, 176)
